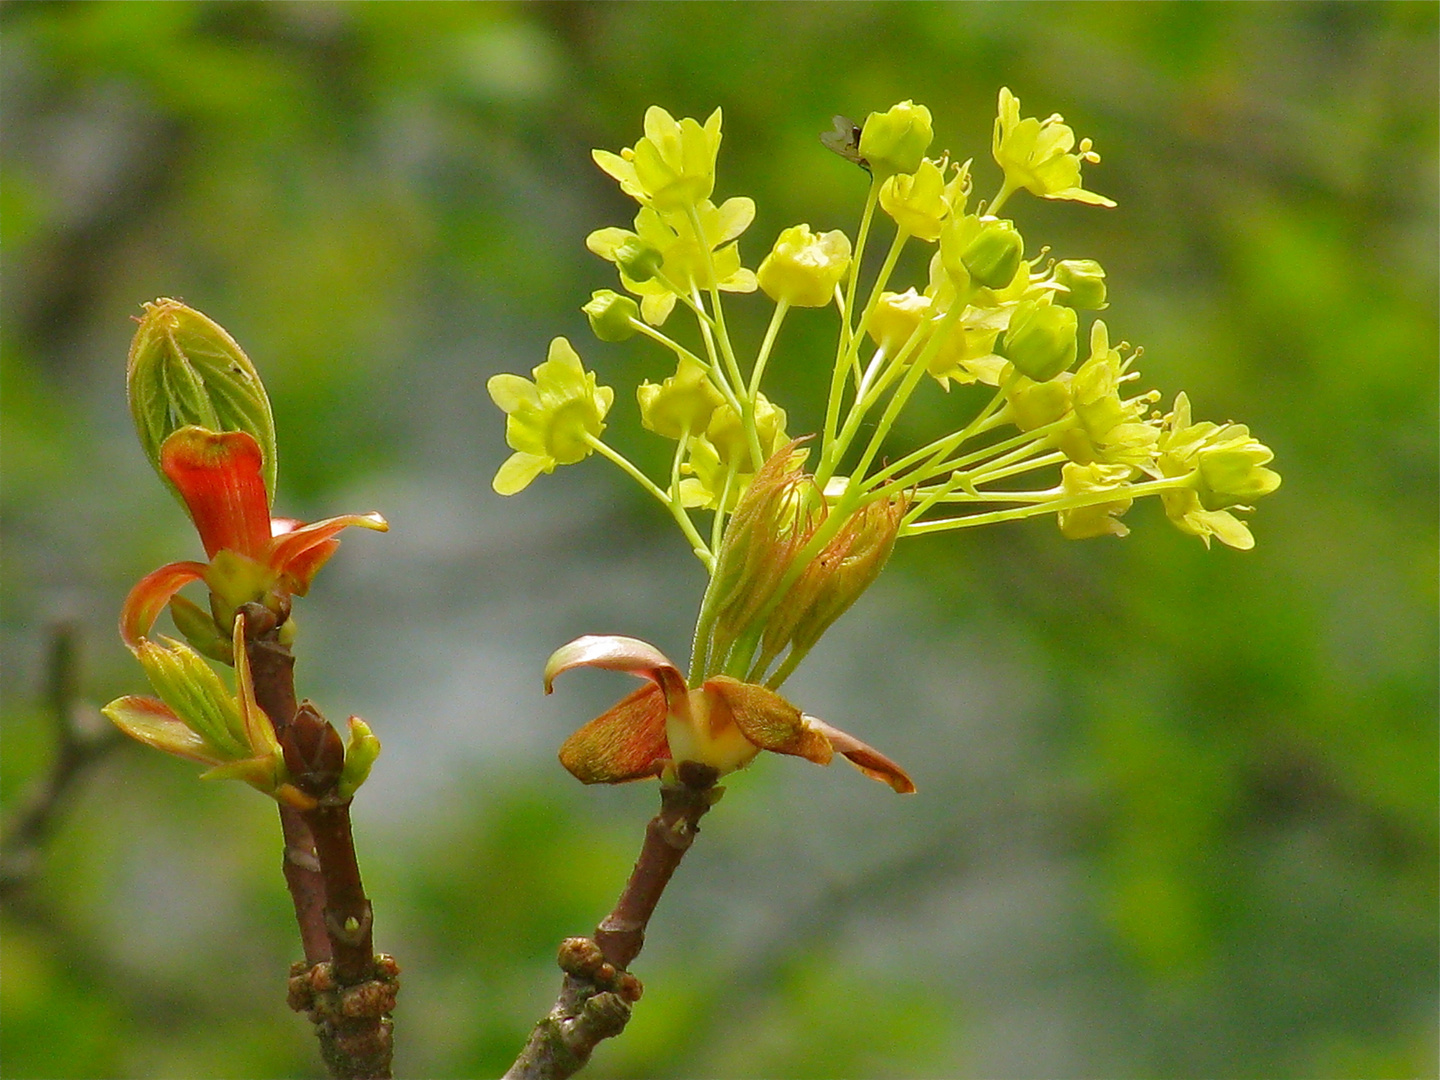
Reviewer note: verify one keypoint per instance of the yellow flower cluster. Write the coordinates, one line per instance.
(789, 550)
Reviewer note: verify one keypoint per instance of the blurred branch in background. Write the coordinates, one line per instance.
(82, 738)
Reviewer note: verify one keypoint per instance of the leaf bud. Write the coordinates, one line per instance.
(314, 752)
(895, 141)
(1040, 341)
(198, 628)
(612, 316)
(185, 369)
(1084, 281)
(993, 255)
(360, 754)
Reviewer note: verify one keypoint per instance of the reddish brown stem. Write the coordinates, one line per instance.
(669, 835)
(347, 911)
(347, 994)
(272, 669)
(597, 992)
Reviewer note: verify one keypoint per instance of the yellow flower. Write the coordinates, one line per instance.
(1036, 154)
(1096, 519)
(1225, 465)
(673, 167)
(1108, 428)
(550, 418)
(896, 317)
(803, 268)
(686, 261)
(918, 201)
(965, 356)
(724, 723)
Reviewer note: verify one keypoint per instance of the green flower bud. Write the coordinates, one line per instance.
(612, 316)
(1084, 281)
(1232, 473)
(895, 141)
(639, 261)
(1035, 404)
(185, 369)
(1041, 339)
(993, 255)
(726, 432)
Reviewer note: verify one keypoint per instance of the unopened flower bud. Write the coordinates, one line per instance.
(1041, 339)
(1084, 281)
(683, 404)
(895, 141)
(1035, 404)
(1233, 473)
(726, 432)
(612, 316)
(993, 255)
(803, 268)
(639, 261)
(896, 317)
(185, 369)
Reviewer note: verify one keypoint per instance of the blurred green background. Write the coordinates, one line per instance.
(1178, 808)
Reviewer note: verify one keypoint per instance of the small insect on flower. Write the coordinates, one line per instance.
(844, 140)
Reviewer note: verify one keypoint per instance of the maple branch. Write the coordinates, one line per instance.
(597, 992)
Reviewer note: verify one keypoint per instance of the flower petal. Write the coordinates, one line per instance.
(299, 553)
(220, 477)
(616, 653)
(519, 469)
(149, 597)
(625, 743)
(152, 723)
(865, 758)
(768, 720)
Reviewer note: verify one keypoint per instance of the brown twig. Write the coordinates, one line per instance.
(597, 992)
(346, 989)
(82, 738)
